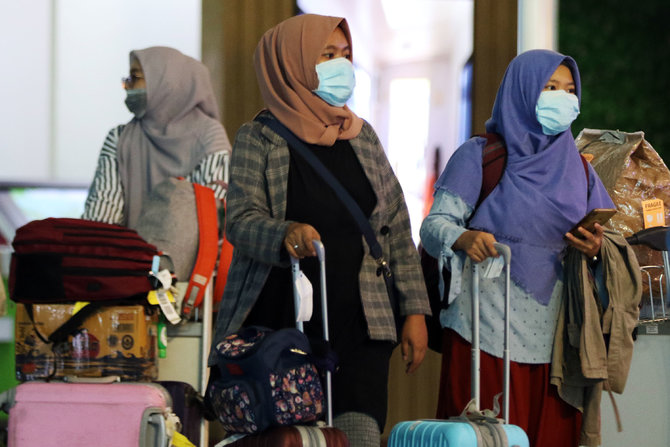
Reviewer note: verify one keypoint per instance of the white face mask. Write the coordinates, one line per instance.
(305, 297)
(556, 110)
(336, 81)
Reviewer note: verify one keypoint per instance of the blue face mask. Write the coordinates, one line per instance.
(556, 110)
(136, 101)
(336, 81)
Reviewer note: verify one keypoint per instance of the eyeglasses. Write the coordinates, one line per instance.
(129, 81)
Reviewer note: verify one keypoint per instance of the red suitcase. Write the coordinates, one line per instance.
(295, 436)
(303, 436)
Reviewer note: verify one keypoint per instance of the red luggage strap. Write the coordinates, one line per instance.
(207, 249)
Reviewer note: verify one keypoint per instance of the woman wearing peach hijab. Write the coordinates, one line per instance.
(277, 204)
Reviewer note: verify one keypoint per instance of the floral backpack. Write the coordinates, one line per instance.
(265, 378)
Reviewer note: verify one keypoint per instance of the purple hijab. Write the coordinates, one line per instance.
(543, 191)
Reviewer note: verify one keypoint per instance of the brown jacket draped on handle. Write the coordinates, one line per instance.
(583, 361)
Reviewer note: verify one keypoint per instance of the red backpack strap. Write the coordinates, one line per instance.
(585, 162)
(207, 248)
(494, 159)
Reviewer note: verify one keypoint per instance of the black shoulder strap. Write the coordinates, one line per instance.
(329, 178)
(72, 324)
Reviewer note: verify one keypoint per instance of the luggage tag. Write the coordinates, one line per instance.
(305, 297)
(179, 440)
(491, 267)
(163, 296)
(79, 305)
(172, 427)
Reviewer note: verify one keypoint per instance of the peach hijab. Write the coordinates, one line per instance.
(285, 61)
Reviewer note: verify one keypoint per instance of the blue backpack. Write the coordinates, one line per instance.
(265, 378)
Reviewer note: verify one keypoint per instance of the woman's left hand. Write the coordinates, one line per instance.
(414, 341)
(590, 244)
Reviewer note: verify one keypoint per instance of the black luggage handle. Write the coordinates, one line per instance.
(654, 237)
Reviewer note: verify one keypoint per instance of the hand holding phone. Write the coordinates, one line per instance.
(597, 215)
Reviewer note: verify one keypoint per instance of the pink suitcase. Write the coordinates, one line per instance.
(90, 414)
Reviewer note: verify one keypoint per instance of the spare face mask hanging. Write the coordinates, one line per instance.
(336, 81)
(556, 110)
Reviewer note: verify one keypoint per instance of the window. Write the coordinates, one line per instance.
(408, 135)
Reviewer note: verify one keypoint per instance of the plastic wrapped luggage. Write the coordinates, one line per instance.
(635, 177)
(300, 435)
(114, 341)
(474, 427)
(91, 414)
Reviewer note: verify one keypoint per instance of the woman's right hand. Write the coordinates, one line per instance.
(298, 240)
(478, 245)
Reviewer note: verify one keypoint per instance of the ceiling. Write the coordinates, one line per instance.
(390, 32)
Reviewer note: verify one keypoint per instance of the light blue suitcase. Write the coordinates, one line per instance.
(450, 433)
(461, 431)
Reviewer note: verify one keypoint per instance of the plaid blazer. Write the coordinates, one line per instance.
(256, 225)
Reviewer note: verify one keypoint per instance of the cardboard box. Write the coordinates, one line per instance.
(115, 341)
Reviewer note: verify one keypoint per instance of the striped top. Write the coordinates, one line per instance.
(105, 200)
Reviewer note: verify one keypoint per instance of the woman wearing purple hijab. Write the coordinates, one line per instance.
(175, 133)
(544, 191)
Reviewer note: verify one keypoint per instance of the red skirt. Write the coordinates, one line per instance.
(534, 404)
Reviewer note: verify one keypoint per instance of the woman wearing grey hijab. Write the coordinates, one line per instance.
(175, 133)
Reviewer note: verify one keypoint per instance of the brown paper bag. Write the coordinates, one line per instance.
(632, 171)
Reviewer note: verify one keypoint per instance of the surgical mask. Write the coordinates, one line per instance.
(136, 101)
(336, 81)
(556, 110)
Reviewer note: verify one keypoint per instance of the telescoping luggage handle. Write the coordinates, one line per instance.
(295, 269)
(506, 253)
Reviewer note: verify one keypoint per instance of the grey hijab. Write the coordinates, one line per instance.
(168, 141)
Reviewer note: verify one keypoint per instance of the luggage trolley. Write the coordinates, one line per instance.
(656, 238)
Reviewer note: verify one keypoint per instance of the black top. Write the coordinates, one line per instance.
(310, 200)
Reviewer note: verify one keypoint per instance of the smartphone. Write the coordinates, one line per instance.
(588, 222)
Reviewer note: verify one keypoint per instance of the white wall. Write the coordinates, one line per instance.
(538, 25)
(61, 82)
(444, 74)
(644, 405)
(25, 81)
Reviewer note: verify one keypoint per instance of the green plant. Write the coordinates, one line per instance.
(622, 48)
